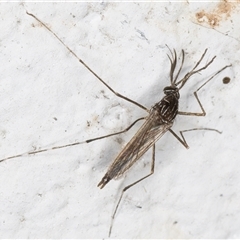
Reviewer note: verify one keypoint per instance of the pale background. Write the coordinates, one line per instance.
(48, 98)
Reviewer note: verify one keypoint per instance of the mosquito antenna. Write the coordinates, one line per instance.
(192, 72)
(180, 69)
(185, 77)
(173, 62)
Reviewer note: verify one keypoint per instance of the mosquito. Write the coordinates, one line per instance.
(159, 120)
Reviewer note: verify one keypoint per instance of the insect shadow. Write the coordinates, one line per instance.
(159, 120)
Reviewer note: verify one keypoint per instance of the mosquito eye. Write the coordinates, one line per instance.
(167, 90)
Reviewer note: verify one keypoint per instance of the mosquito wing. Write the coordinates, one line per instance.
(147, 135)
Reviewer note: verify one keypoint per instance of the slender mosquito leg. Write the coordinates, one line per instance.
(183, 140)
(112, 134)
(203, 113)
(72, 144)
(86, 66)
(199, 129)
(131, 185)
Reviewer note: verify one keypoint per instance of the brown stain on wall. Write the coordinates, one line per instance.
(213, 18)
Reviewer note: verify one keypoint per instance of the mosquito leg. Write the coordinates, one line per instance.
(183, 140)
(112, 134)
(203, 113)
(86, 66)
(131, 185)
(71, 144)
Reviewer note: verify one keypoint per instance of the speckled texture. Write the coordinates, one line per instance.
(48, 98)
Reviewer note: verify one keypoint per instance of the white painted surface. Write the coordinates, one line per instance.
(47, 97)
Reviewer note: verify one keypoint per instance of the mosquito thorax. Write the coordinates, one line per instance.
(167, 108)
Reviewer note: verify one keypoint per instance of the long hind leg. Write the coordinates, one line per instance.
(131, 185)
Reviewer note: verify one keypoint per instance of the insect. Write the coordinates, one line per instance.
(160, 119)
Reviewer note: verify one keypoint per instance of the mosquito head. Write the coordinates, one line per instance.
(172, 90)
